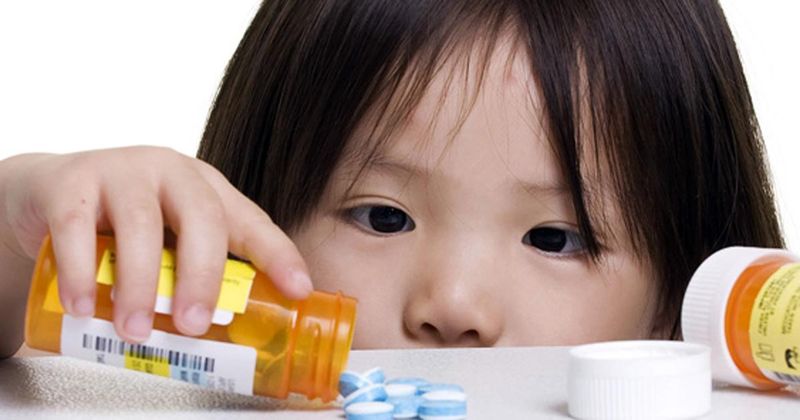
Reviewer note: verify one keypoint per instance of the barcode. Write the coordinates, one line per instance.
(787, 377)
(156, 354)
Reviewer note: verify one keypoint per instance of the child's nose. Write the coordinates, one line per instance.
(456, 309)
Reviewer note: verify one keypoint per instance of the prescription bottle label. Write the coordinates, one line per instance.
(211, 364)
(774, 329)
(237, 281)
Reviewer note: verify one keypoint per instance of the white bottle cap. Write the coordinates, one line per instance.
(639, 380)
(706, 300)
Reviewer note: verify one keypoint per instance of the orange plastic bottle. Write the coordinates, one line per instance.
(259, 342)
(743, 302)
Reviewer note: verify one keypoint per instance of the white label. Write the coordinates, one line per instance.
(220, 317)
(781, 377)
(211, 364)
(164, 306)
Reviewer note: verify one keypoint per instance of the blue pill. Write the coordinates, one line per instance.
(369, 393)
(400, 390)
(375, 375)
(424, 389)
(440, 410)
(417, 382)
(405, 408)
(404, 399)
(370, 410)
(350, 382)
(444, 395)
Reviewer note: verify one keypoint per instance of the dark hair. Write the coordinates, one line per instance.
(654, 87)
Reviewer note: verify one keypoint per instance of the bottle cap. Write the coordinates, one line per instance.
(706, 299)
(639, 380)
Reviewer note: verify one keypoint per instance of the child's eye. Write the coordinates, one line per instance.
(554, 240)
(382, 219)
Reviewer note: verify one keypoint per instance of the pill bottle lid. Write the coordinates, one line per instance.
(706, 300)
(639, 380)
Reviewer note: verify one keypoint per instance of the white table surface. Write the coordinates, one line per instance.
(501, 383)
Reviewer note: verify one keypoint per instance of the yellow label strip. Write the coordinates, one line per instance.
(158, 367)
(237, 279)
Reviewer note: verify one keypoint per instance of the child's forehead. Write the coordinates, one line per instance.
(477, 99)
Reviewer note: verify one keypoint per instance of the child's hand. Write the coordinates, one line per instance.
(136, 192)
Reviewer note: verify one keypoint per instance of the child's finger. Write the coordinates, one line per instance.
(71, 217)
(255, 237)
(194, 211)
(135, 215)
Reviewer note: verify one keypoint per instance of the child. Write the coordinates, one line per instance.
(498, 172)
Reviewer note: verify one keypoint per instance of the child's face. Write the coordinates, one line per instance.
(471, 239)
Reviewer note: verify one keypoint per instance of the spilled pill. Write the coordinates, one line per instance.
(400, 390)
(370, 396)
(373, 392)
(443, 404)
(417, 382)
(375, 375)
(371, 410)
(441, 410)
(350, 382)
(444, 395)
(404, 399)
(423, 389)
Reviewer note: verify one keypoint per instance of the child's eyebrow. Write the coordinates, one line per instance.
(396, 168)
(406, 170)
(541, 188)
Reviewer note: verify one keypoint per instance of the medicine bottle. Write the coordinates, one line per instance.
(259, 342)
(743, 303)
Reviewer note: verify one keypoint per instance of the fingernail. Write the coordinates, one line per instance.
(302, 282)
(196, 319)
(138, 325)
(83, 306)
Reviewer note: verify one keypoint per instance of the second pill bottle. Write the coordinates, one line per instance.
(259, 342)
(744, 303)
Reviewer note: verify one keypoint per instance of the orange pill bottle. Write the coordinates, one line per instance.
(744, 303)
(259, 342)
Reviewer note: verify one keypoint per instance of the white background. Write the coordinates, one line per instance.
(85, 74)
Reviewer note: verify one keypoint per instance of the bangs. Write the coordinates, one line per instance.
(457, 52)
